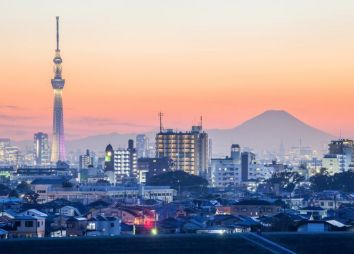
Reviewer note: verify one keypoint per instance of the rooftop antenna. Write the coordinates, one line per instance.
(201, 122)
(160, 118)
(57, 33)
(340, 133)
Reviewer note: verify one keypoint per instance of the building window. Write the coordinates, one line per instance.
(28, 224)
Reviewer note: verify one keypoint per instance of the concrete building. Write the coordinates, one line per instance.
(226, 172)
(335, 163)
(41, 149)
(247, 159)
(121, 164)
(4, 142)
(125, 163)
(142, 146)
(103, 226)
(255, 208)
(149, 167)
(12, 155)
(27, 227)
(86, 160)
(187, 150)
(240, 167)
(49, 190)
(340, 156)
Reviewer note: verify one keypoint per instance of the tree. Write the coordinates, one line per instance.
(320, 182)
(31, 197)
(340, 181)
(13, 194)
(67, 184)
(179, 180)
(4, 190)
(286, 180)
(23, 187)
(102, 182)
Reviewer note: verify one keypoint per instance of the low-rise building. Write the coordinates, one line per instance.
(255, 208)
(103, 226)
(76, 226)
(313, 212)
(49, 191)
(26, 227)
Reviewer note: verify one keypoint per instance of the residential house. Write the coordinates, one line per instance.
(26, 227)
(314, 212)
(33, 212)
(76, 226)
(103, 226)
(69, 211)
(255, 208)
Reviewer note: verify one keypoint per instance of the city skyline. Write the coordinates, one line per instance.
(184, 69)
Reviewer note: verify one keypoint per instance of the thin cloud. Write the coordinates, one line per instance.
(105, 121)
(12, 107)
(16, 117)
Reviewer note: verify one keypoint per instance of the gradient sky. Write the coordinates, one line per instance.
(124, 61)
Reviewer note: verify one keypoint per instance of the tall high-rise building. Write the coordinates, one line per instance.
(12, 155)
(41, 149)
(125, 162)
(236, 153)
(4, 142)
(187, 150)
(342, 146)
(121, 163)
(58, 146)
(247, 158)
(226, 172)
(109, 159)
(86, 160)
(340, 156)
(142, 146)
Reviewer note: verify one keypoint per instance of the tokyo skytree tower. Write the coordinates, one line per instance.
(58, 146)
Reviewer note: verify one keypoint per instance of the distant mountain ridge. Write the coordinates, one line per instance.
(263, 132)
(267, 131)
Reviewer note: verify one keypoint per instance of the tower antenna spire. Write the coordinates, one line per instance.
(57, 32)
(160, 118)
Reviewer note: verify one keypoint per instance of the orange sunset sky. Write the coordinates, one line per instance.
(124, 61)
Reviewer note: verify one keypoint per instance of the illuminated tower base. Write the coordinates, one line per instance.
(58, 145)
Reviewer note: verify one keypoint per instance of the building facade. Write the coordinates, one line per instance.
(340, 156)
(226, 172)
(41, 149)
(142, 146)
(247, 158)
(121, 163)
(187, 150)
(4, 142)
(89, 193)
(86, 160)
